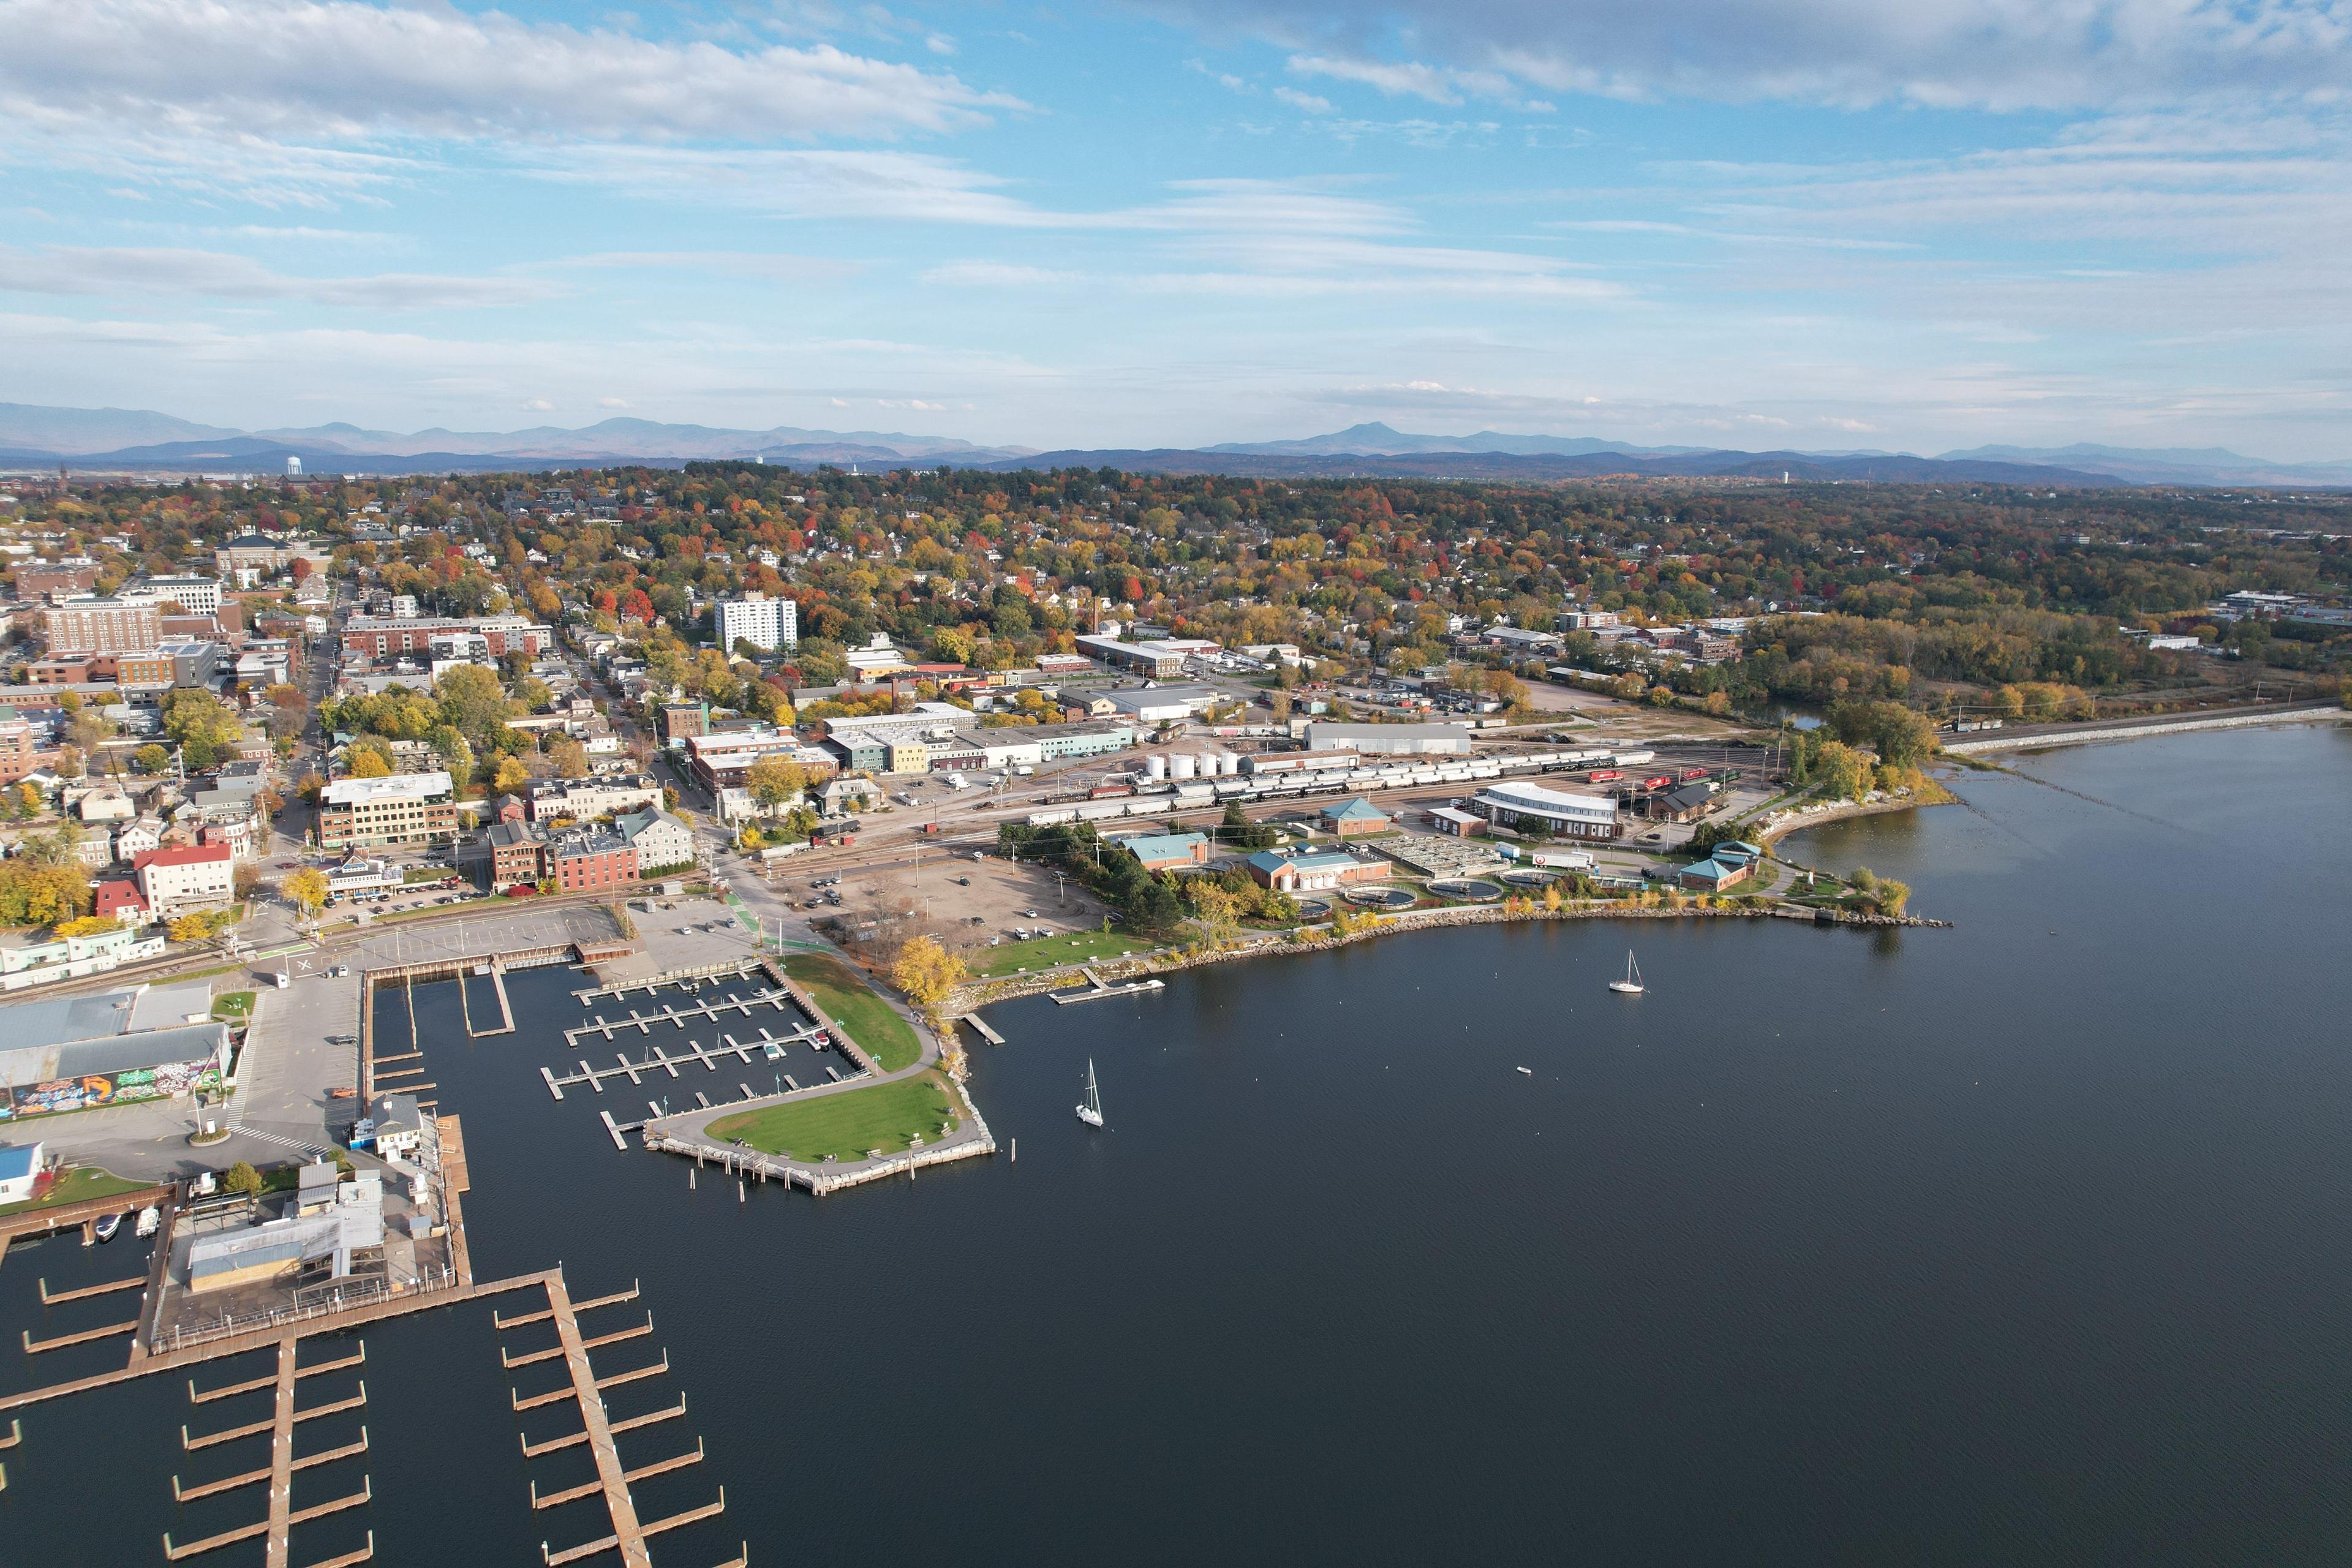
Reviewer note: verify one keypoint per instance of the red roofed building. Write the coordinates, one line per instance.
(175, 882)
(118, 898)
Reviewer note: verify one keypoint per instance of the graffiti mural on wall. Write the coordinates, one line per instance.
(108, 1088)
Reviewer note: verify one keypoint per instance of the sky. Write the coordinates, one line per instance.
(1818, 223)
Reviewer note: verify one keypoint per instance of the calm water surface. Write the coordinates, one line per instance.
(2022, 1242)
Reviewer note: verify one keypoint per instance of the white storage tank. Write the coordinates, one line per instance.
(1185, 764)
(1229, 764)
(1155, 767)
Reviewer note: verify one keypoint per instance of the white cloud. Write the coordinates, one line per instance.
(1305, 102)
(536, 405)
(615, 402)
(776, 266)
(1995, 54)
(72, 270)
(341, 69)
(999, 275)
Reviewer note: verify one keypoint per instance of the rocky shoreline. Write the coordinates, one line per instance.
(973, 999)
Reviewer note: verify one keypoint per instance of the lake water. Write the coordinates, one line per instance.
(2029, 1240)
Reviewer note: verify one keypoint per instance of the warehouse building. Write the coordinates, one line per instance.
(1391, 740)
(145, 1042)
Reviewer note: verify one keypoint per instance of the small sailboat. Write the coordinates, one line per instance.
(1090, 1110)
(1632, 984)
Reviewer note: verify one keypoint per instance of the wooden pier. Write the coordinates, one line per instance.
(599, 1433)
(277, 1527)
(979, 1027)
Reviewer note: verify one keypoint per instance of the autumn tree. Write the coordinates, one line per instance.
(306, 889)
(926, 971)
(773, 781)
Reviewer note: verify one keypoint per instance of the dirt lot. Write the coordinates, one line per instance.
(929, 897)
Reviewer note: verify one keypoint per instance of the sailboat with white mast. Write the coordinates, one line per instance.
(1632, 984)
(1090, 1109)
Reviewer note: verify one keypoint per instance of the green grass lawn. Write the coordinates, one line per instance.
(233, 1006)
(887, 1116)
(1080, 947)
(77, 1186)
(861, 1015)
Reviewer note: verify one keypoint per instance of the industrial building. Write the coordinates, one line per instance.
(1391, 740)
(1354, 818)
(145, 1042)
(1158, 659)
(1313, 870)
(1170, 851)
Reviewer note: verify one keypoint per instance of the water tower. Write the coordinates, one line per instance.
(293, 468)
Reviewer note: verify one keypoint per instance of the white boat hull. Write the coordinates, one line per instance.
(1624, 988)
(1090, 1116)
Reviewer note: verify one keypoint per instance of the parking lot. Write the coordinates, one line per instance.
(967, 903)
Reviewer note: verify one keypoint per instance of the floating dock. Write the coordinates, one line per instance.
(598, 1432)
(679, 1016)
(659, 1060)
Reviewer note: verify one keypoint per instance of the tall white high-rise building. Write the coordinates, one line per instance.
(766, 624)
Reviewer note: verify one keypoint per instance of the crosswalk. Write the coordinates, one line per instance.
(282, 1142)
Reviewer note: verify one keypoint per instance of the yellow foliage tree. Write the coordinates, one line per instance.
(306, 889)
(370, 764)
(926, 971)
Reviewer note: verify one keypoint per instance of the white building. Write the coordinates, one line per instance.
(197, 596)
(660, 839)
(1409, 740)
(878, 657)
(175, 882)
(766, 624)
(1521, 805)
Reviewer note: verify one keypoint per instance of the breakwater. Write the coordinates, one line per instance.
(2302, 713)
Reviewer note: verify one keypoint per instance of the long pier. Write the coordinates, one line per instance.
(598, 1432)
(277, 1527)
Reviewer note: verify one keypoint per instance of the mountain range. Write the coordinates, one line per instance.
(142, 440)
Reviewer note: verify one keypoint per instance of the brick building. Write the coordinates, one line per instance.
(54, 580)
(591, 857)
(518, 853)
(102, 626)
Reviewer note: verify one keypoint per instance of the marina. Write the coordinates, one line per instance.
(766, 1045)
(677, 1017)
